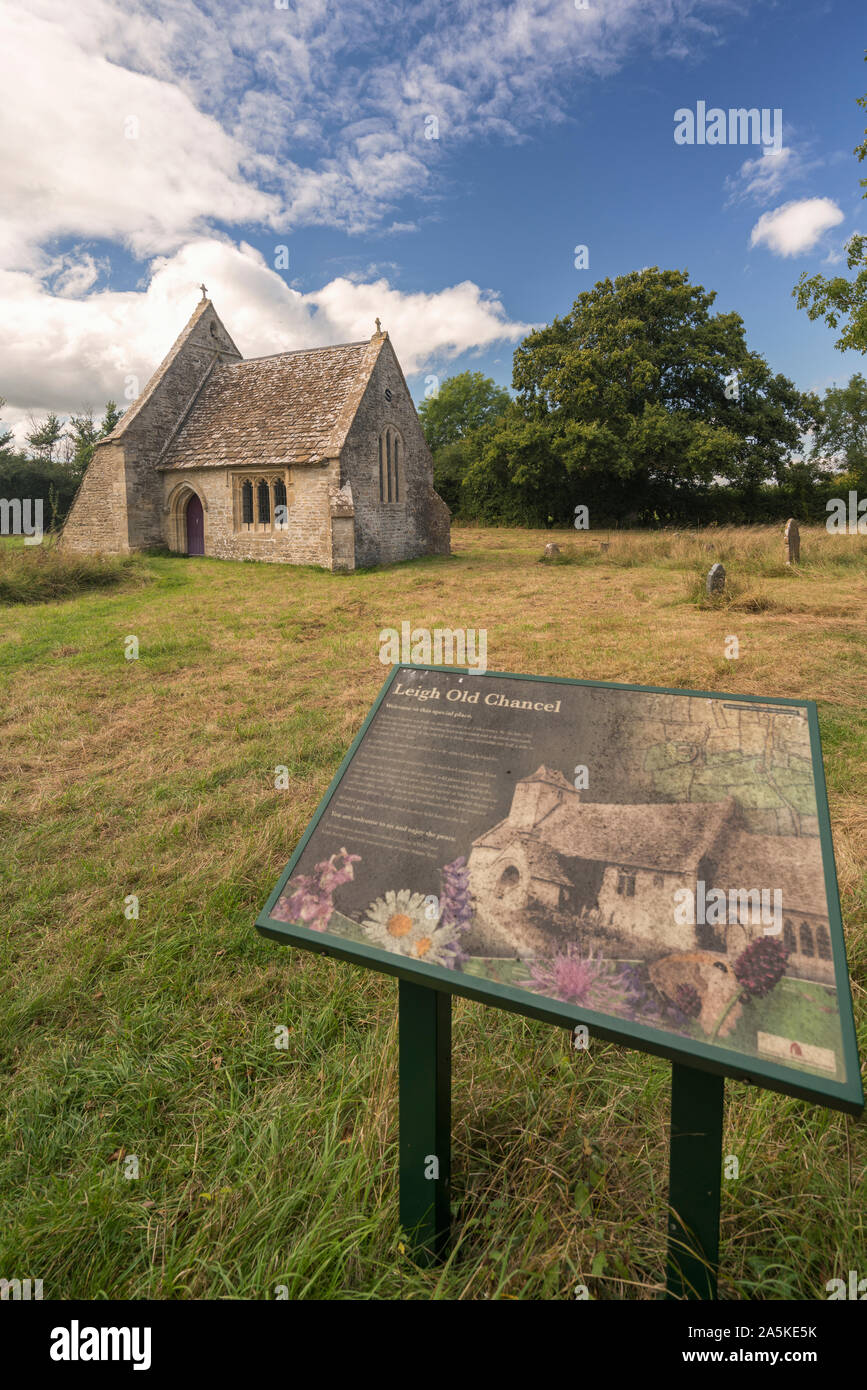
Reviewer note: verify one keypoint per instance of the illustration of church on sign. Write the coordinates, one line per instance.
(556, 855)
(312, 457)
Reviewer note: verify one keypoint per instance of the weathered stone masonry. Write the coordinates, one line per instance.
(310, 457)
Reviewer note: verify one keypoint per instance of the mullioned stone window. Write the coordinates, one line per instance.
(256, 498)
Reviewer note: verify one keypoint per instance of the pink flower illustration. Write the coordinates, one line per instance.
(308, 898)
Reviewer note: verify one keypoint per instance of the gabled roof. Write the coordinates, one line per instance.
(792, 863)
(660, 836)
(544, 862)
(222, 344)
(290, 408)
(671, 838)
(554, 779)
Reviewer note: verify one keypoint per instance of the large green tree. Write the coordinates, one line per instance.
(462, 405)
(634, 404)
(841, 430)
(84, 433)
(834, 298)
(110, 418)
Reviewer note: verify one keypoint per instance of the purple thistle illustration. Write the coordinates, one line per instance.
(577, 979)
(311, 899)
(760, 966)
(688, 1000)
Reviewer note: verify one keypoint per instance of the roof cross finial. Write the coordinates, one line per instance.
(204, 290)
(378, 329)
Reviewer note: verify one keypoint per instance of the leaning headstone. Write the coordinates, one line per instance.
(551, 551)
(716, 579)
(603, 546)
(793, 542)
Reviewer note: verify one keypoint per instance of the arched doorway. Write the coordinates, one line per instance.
(195, 526)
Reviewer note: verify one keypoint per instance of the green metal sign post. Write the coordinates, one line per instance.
(425, 1026)
(424, 1021)
(695, 1162)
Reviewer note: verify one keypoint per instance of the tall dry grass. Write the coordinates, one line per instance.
(37, 573)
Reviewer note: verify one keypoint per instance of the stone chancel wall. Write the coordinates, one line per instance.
(119, 505)
(419, 523)
(306, 540)
(98, 517)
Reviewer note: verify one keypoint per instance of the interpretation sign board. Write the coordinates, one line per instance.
(653, 866)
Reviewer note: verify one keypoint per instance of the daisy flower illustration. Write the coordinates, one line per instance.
(398, 922)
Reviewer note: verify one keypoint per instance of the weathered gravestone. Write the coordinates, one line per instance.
(793, 542)
(716, 579)
(552, 551)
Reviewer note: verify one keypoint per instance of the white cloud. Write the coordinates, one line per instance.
(62, 354)
(441, 324)
(75, 272)
(246, 116)
(765, 177)
(250, 114)
(797, 226)
(69, 166)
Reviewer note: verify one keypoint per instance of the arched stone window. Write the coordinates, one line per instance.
(789, 941)
(279, 497)
(390, 463)
(806, 940)
(823, 943)
(247, 503)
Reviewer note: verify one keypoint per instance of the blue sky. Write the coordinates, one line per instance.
(151, 145)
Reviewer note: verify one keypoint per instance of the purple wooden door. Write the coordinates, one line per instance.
(195, 527)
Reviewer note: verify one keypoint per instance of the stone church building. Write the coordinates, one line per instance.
(312, 457)
(557, 854)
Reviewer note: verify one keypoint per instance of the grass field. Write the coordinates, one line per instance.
(154, 1038)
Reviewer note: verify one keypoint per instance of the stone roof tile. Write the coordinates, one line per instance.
(290, 408)
(659, 836)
